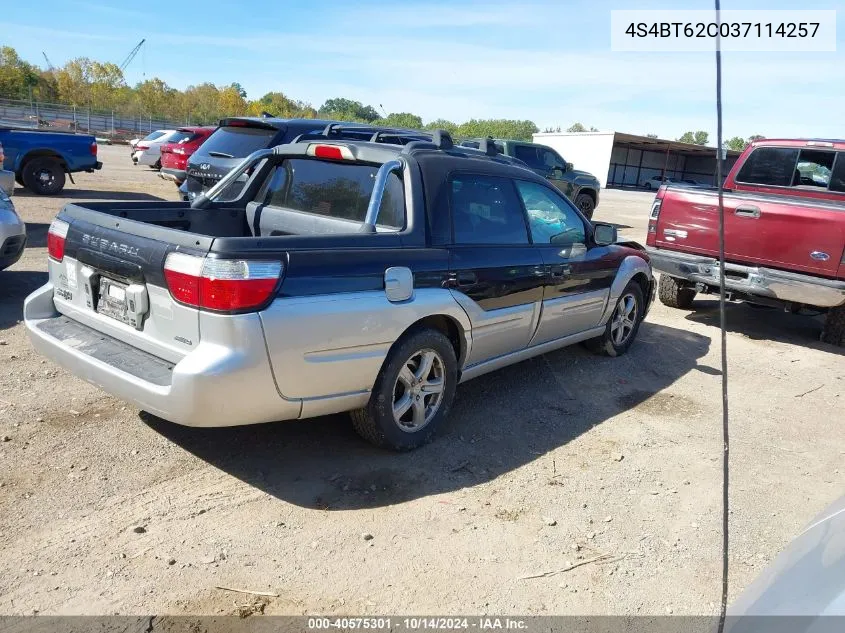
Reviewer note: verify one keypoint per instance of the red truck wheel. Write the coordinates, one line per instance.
(673, 294)
(834, 327)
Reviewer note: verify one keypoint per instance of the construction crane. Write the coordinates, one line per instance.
(131, 55)
(50, 66)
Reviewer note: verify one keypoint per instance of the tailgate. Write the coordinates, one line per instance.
(776, 231)
(111, 279)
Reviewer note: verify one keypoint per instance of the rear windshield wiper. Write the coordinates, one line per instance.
(220, 155)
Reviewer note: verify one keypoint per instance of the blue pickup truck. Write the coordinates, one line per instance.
(40, 160)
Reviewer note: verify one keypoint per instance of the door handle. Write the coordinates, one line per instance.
(559, 270)
(747, 211)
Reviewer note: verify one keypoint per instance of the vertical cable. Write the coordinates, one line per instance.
(722, 326)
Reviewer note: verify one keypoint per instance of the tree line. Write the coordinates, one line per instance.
(88, 83)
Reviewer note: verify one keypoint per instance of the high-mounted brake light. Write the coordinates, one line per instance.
(333, 152)
(227, 285)
(56, 235)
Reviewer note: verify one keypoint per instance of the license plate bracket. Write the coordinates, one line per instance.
(127, 303)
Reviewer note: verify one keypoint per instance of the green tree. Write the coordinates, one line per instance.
(498, 128)
(278, 104)
(700, 137)
(442, 124)
(154, 96)
(402, 119)
(231, 102)
(755, 137)
(576, 127)
(687, 137)
(342, 109)
(736, 143)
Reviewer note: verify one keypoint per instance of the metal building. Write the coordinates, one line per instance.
(618, 159)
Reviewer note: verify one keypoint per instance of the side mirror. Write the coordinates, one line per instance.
(569, 167)
(604, 234)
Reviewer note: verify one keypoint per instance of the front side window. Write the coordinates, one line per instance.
(551, 219)
(335, 190)
(769, 166)
(552, 160)
(485, 210)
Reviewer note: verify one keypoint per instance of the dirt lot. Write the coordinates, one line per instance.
(542, 465)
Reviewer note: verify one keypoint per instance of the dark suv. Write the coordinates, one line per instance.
(237, 137)
(579, 186)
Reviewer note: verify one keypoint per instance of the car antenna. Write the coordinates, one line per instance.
(723, 607)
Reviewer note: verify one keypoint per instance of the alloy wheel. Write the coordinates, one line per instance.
(418, 391)
(624, 319)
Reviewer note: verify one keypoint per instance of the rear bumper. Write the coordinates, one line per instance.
(751, 280)
(173, 175)
(227, 382)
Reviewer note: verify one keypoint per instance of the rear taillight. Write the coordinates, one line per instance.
(56, 236)
(93, 148)
(141, 146)
(225, 285)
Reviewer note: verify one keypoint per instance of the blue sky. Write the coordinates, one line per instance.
(548, 61)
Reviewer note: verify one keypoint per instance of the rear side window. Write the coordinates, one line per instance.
(336, 190)
(486, 210)
(769, 166)
(237, 142)
(528, 155)
(813, 168)
(837, 176)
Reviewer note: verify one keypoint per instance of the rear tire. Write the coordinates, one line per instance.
(834, 327)
(585, 204)
(673, 294)
(44, 176)
(412, 393)
(623, 325)
(647, 186)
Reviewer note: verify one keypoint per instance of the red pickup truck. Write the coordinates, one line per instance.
(784, 206)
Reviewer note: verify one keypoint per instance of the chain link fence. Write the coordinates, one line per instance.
(63, 118)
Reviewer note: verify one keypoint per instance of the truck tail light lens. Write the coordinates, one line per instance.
(56, 236)
(224, 285)
(93, 148)
(655, 208)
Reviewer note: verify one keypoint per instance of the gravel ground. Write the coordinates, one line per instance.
(544, 465)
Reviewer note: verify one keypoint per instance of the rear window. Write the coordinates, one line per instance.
(335, 190)
(154, 135)
(769, 166)
(237, 142)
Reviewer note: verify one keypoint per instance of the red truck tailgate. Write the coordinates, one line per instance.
(776, 231)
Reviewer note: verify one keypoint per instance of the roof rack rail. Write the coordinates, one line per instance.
(488, 146)
(442, 139)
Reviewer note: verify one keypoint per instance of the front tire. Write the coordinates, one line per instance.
(673, 294)
(412, 393)
(585, 204)
(44, 176)
(623, 325)
(834, 327)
